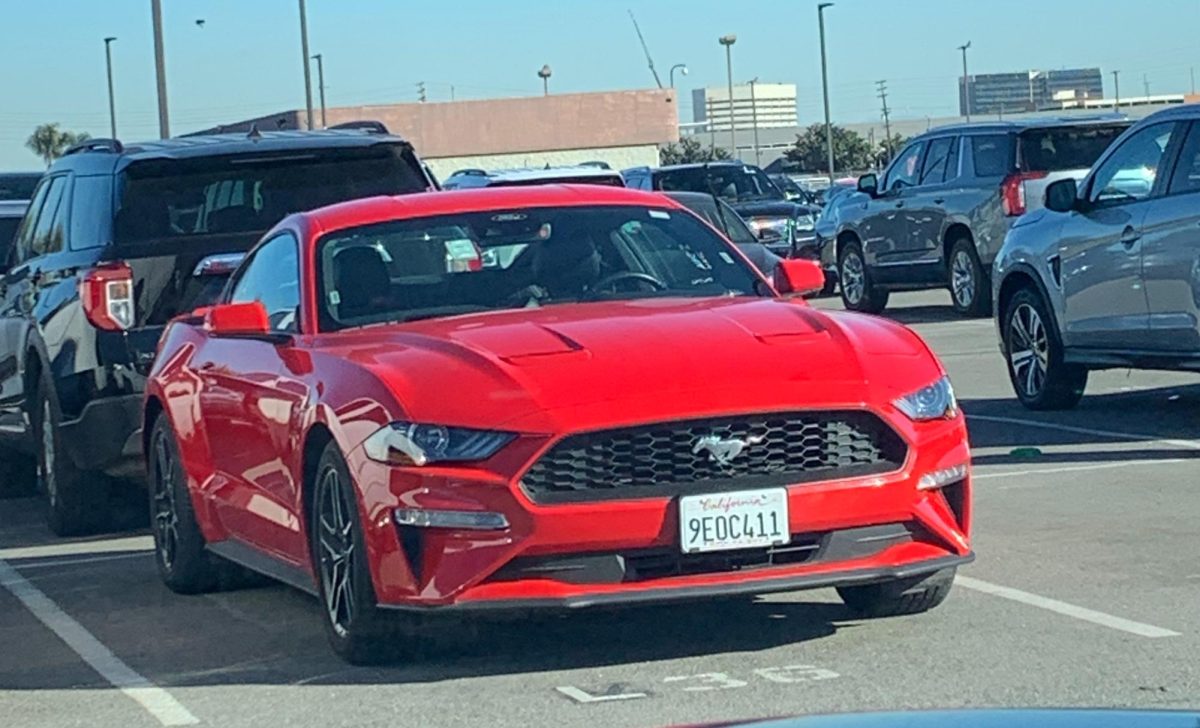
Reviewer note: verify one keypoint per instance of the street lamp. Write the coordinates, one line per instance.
(112, 107)
(825, 87)
(321, 85)
(754, 120)
(308, 105)
(966, 82)
(544, 74)
(160, 69)
(728, 41)
(682, 68)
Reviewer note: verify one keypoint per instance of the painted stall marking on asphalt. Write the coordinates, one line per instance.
(707, 681)
(1111, 434)
(1068, 469)
(156, 701)
(582, 696)
(1065, 609)
(703, 682)
(80, 548)
(84, 560)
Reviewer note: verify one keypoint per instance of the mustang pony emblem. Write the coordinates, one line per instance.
(722, 451)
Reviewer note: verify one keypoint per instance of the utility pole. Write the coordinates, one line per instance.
(421, 91)
(308, 104)
(1146, 84)
(887, 122)
(825, 87)
(1116, 90)
(160, 70)
(754, 121)
(451, 92)
(966, 82)
(321, 85)
(1193, 72)
(728, 41)
(112, 106)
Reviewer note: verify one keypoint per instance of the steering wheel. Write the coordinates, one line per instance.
(629, 275)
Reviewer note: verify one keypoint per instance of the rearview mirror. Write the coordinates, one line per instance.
(799, 277)
(1061, 195)
(242, 320)
(869, 183)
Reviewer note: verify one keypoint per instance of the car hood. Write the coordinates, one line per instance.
(769, 208)
(598, 364)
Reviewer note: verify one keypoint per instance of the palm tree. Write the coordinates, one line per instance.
(49, 142)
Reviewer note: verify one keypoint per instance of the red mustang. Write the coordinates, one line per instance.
(545, 397)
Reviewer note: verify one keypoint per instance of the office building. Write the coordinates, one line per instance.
(1002, 93)
(772, 105)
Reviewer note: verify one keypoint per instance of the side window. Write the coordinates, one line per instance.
(906, 170)
(952, 160)
(49, 230)
(1129, 174)
(272, 276)
(24, 237)
(991, 155)
(934, 169)
(91, 212)
(1186, 177)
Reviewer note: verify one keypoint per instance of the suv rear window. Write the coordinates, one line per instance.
(732, 182)
(991, 154)
(249, 194)
(1071, 147)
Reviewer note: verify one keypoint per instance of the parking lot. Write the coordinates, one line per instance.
(1085, 592)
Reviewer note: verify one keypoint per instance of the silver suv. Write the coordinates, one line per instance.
(1108, 274)
(937, 217)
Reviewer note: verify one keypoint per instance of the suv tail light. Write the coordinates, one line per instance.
(107, 295)
(1012, 192)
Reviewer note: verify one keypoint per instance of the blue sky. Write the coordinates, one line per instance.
(245, 61)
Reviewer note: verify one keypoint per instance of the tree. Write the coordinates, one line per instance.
(49, 142)
(888, 148)
(690, 150)
(850, 150)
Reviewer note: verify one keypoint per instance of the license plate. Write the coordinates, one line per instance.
(741, 520)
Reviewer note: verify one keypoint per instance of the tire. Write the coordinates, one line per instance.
(183, 563)
(900, 596)
(830, 287)
(970, 286)
(1033, 351)
(358, 631)
(854, 280)
(75, 504)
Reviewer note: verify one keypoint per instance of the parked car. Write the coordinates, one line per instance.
(783, 226)
(793, 191)
(117, 241)
(720, 215)
(582, 174)
(408, 433)
(18, 186)
(826, 230)
(937, 216)
(1108, 274)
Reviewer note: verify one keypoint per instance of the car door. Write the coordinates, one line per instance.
(1104, 300)
(250, 398)
(884, 229)
(1171, 255)
(925, 209)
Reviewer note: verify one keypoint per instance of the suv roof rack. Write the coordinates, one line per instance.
(112, 146)
(371, 127)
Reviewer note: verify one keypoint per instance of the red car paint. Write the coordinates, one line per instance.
(243, 408)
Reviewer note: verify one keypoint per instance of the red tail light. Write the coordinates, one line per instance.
(1012, 192)
(107, 295)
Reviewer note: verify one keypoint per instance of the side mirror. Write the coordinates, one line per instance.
(799, 277)
(242, 320)
(869, 184)
(1061, 195)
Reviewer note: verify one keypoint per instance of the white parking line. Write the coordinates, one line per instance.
(156, 701)
(84, 560)
(79, 548)
(1065, 609)
(1068, 469)
(1111, 434)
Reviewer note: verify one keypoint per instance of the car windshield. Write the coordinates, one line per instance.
(735, 183)
(1066, 148)
(427, 267)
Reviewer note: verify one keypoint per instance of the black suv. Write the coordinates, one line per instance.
(784, 226)
(937, 217)
(119, 239)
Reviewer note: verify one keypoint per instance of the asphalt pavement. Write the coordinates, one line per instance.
(1085, 593)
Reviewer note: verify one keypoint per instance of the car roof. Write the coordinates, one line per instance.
(702, 165)
(1032, 122)
(529, 175)
(480, 199)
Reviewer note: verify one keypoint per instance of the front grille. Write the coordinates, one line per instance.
(660, 460)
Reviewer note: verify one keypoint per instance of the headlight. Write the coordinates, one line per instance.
(406, 443)
(930, 403)
(805, 222)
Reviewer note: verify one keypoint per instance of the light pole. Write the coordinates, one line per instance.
(754, 120)
(321, 85)
(825, 87)
(112, 107)
(682, 68)
(1116, 90)
(160, 70)
(308, 104)
(966, 82)
(728, 41)
(544, 74)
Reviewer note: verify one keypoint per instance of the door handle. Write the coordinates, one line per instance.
(938, 200)
(1129, 236)
(900, 203)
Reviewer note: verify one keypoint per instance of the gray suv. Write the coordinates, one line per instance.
(1107, 275)
(938, 215)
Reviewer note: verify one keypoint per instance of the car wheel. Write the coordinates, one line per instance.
(74, 504)
(854, 279)
(970, 289)
(1033, 349)
(899, 596)
(357, 630)
(183, 563)
(830, 287)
